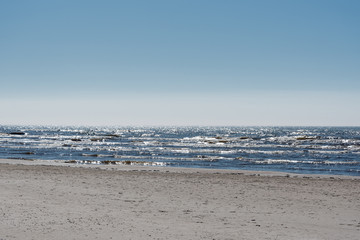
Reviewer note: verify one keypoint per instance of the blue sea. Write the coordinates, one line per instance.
(310, 150)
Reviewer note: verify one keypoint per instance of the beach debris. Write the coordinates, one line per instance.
(187, 211)
(71, 161)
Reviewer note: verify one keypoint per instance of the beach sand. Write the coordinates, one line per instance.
(68, 201)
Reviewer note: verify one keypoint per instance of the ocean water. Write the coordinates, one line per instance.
(311, 150)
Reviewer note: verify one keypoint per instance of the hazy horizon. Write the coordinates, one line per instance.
(180, 63)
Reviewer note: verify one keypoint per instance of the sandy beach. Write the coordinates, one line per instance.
(65, 201)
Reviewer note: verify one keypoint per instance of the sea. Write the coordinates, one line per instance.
(308, 150)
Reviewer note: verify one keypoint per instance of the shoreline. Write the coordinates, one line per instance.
(47, 201)
(126, 167)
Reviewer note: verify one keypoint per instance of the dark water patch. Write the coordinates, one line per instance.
(17, 133)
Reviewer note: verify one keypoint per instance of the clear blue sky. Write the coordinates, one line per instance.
(180, 62)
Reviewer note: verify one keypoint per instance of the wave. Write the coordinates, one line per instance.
(282, 161)
(223, 147)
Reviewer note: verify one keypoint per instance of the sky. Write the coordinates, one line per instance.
(180, 62)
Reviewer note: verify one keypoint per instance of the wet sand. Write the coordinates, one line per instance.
(67, 201)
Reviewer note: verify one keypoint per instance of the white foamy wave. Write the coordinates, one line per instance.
(285, 161)
(275, 161)
(180, 151)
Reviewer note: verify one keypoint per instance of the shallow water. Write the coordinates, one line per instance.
(314, 150)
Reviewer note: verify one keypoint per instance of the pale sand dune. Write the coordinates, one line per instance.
(59, 202)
